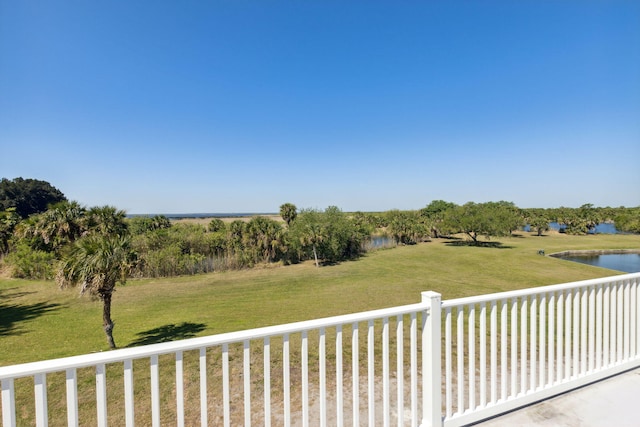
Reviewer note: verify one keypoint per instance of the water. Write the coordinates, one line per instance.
(376, 242)
(606, 228)
(629, 263)
(602, 228)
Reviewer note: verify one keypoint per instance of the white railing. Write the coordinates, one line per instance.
(506, 350)
(269, 375)
(430, 364)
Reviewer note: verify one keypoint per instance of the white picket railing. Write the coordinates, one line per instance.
(365, 345)
(506, 350)
(430, 364)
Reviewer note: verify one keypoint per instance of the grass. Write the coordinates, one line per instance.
(38, 321)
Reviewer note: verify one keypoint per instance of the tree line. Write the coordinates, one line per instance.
(45, 236)
(39, 226)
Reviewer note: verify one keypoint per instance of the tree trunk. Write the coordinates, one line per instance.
(107, 323)
(315, 255)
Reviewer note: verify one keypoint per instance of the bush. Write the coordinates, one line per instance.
(142, 224)
(629, 221)
(28, 263)
(171, 261)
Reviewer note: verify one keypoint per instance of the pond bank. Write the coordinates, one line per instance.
(594, 252)
(627, 260)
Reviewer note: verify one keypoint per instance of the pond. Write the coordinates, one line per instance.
(627, 262)
(378, 242)
(602, 228)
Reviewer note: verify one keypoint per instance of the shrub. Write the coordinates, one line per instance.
(171, 261)
(28, 263)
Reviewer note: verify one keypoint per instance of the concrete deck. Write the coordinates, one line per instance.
(614, 402)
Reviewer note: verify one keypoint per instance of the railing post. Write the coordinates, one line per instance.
(8, 403)
(431, 361)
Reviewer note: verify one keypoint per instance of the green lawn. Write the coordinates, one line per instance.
(38, 321)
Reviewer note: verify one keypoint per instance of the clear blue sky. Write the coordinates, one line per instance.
(240, 106)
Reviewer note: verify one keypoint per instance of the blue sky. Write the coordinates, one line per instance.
(240, 106)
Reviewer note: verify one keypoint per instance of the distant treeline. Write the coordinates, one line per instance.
(39, 229)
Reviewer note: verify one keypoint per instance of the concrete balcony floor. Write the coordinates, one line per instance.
(612, 402)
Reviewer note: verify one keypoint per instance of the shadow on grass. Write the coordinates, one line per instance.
(170, 332)
(517, 235)
(11, 315)
(494, 245)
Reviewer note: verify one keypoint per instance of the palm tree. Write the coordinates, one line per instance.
(263, 237)
(97, 263)
(107, 220)
(288, 212)
(61, 224)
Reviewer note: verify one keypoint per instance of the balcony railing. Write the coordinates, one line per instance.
(506, 350)
(432, 363)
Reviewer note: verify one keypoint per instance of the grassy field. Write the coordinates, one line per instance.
(38, 321)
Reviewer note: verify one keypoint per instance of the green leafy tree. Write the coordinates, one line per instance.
(308, 231)
(435, 213)
(329, 235)
(436, 207)
(507, 218)
(563, 216)
(366, 223)
(537, 219)
(477, 219)
(28, 196)
(9, 219)
(343, 239)
(628, 220)
(607, 214)
(576, 221)
(590, 216)
(406, 227)
(288, 212)
(96, 263)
